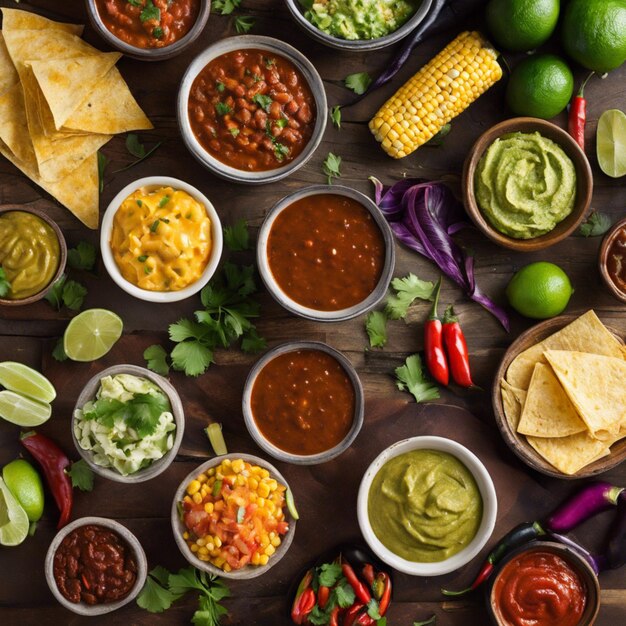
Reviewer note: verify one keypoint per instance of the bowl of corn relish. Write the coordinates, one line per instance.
(230, 516)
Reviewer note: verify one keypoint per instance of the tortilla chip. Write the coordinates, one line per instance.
(595, 385)
(585, 334)
(65, 83)
(513, 401)
(8, 73)
(548, 411)
(14, 19)
(13, 126)
(110, 108)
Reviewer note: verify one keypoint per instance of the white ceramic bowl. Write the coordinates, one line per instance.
(156, 467)
(487, 492)
(82, 608)
(178, 528)
(274, 46)
(150, 183)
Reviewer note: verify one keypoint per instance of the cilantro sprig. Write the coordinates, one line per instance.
(412, 377)
(81, 475)
(150, 12)
(335, 116)
(358, 82)
(595, 225)
(82, 257)
(237, 237)
(244, 23)
(331, 167)
(64, 292)
(224, 7)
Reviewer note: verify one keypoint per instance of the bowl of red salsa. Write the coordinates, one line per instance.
(251, 109)
(612, 260)
(543, 583)
(149, 30)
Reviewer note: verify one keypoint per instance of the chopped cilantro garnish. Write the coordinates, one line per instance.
(221, 108)
(233, 131)
(157, 33)
(280, 151)
(164, 200)
(147, 269)
(154, 226)
(219, 85)
(150, 12)
(263, 101)
(143, 258)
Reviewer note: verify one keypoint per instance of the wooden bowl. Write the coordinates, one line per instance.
(516, 441)
(603, 257)
(584, 183)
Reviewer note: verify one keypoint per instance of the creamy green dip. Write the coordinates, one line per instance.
(525, 185)
(424, 506)
(359, 19)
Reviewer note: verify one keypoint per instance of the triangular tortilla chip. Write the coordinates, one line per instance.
(513, 401)
(14, 128)
(110, 108)
(14, 19)
(8, 73)
(65, 83)
(548, 411)
(595, 385)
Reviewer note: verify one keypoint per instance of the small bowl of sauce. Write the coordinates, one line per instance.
(303, 403)
(612, 260)
(326, 254)
(95, 566)
(32, 255)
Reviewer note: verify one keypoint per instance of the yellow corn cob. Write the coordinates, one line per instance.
(442, 89)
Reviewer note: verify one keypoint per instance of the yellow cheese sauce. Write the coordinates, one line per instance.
(29, 253)
(161, 239)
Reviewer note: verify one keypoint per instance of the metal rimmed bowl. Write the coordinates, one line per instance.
(313, 314)
(273, 46)
(275, 451)
(607, 242)
(149, 54)
(151, 183)
(358, 45)
(156, 467)
(82, 608)
(62, 255)
(178, 528)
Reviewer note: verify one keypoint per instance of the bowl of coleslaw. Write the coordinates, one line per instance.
(128, 424)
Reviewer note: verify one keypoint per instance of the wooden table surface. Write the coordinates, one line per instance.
(325, 494)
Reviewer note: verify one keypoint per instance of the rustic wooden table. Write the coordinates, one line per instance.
(326, 494)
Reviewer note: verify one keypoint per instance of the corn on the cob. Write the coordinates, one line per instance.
(442, 89)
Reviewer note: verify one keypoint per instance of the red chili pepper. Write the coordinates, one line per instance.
(54, 463)
(456, 348)
(578, 115)
(349, 619)
(304, 600)
(368, 573)
(364, 620)
(433, 346)
(334, 617)
(382, 591)
(323, 593)
(362, 594)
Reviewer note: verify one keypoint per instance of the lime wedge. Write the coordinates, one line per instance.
(611, 143)
(291, 505)
(214, 432)
(27, 381)
(91, 334)
(25, 484)
(23, 411)
(13, 518)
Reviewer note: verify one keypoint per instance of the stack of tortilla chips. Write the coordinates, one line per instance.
(60, 100)
(567, 395)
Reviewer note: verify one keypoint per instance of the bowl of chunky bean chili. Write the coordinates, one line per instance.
(326, 253)
(149, 30)
(95, 566)
(252, 109)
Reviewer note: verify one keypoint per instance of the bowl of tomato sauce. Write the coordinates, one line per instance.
(612, 260)
(251, 109)
(149, 30)
(545, 583)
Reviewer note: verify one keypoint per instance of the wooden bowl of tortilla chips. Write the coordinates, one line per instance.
(559, 397)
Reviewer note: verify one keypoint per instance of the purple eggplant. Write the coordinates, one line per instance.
(597, 562)
(616, 547)
(589, 501)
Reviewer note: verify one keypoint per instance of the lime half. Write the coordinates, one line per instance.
(291, 505)
(13, 518)
(27, 381)
(214, 432)
(611, 143)
(23, 411)
(91, 334)
(25, 484)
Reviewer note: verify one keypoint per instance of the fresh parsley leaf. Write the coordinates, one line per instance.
(331, 167)
(156, 359)
(344, 594)
(335, 116)
(154, 597)
(150, 12)
(244, 23)
(372, 609)
(55, 295)
(411, 377)
(224, 7)
(184, 580)
(376, 328)
(408, 289)
(358, 82)
(5, 285)
(137, 149)
(82, 257)
(103, 161)
(221, 108)
(73, 295)
(251, 342)
(58, 353)
(81, 475)
(595, 225)
(318, 617)
(237, 237)
(328, 574)
(191, 357)
(157, 32)
(432, 620)
(263, 101)
(186, 329)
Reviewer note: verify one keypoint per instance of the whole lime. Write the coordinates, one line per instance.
(539, 290)
(540, 86)
(521, 25)
(594, 33)
(25, 484)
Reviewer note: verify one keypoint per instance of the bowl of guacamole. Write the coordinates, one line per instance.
(426, 506)
(358, 24)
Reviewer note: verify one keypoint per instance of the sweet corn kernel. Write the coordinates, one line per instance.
(237, 465)
(203, 551)
(270, 506)
(265, 541)
(217, 541)
(204, 491)
(208, 507)
(193, 487)
(203, 557)
(275, 541)
(210, 471)
(253, 483)
(256, 558)
(226, 567)
(197, 497)
(194, 547)
(270, 550)
(265, 473)
(202, 478)
(263, 559)
(201, 541)
(209, 547)
(219, 561)
(264, 490)
(185, 535)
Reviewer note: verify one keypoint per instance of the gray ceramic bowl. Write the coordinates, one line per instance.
(360, 45)
(158, 466)
(274, 46)
(301, 459)
(313, 314)
(97, 609)
(149, 54)
(178, 528)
